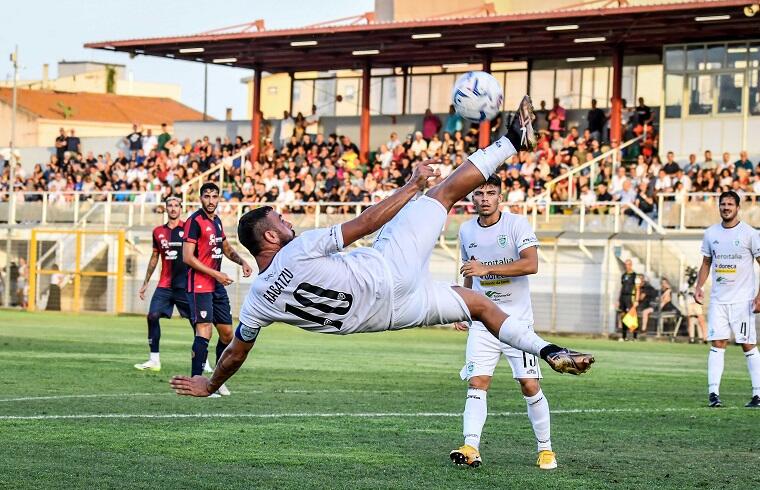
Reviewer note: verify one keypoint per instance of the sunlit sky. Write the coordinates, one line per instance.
(48, 31)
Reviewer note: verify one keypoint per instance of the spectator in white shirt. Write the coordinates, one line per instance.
(149, 142)
(312, 123)
(618, 180)
(393, 142)
(663, 182)
(419, 144)
(587, 196)
(434, 146)
(287, 127)
(516, 193)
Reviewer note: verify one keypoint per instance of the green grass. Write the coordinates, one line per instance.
(660, 437)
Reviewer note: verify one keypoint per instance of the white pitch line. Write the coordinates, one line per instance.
(168, 392)
(338, 414)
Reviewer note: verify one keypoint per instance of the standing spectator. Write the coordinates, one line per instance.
(454, 121)
(596, 120)
(73, 144)
(149, 142)
(709, 163)
(165, 137)
(311, 123)
(287, 128)
(60, 144)
(134, 140)
(431, 124)
(542, 117)
(644, 114)
(647, 301)
(557, 117)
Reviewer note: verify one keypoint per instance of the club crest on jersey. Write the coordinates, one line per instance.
(203, 314)
(181, 233)
(502, 241)
(736, 243)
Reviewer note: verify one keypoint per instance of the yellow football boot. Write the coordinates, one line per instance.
(466, 455)
(547, 460)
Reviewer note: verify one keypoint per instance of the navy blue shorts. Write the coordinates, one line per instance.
(165, 299)
(211, 307)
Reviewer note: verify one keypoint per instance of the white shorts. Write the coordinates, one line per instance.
(738, 318)
(482, 356)
(406, 243)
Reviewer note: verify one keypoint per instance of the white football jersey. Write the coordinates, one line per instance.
(733, 251)
(500, 243)
(311, 285)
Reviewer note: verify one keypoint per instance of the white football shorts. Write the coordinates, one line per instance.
(736, 318)
(484, 350)
(406, 243)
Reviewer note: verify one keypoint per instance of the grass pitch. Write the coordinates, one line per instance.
(362, 411)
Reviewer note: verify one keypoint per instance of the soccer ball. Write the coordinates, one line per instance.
(477, 96)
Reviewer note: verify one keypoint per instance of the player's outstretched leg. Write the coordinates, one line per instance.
(484, 162)
(521, 336)
(154, 337)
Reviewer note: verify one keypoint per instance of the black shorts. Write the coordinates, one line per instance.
(165, 299)
(211, 307)
(626, 302)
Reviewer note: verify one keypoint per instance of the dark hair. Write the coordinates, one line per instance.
(252, 227)
(208, 186)
(493, 180)
(730, 194)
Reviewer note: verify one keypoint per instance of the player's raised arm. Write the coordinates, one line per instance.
(376, 216)
(228, 364)
(231, 254)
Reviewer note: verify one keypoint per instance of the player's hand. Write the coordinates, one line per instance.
(699, 296)
(756, 309)
(247, 271)
(473, 268)
(195, 386)
(224, 279)
(141, 291)
(423, 171)
(461, 326)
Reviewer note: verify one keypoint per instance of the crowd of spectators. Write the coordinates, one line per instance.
(307, 166)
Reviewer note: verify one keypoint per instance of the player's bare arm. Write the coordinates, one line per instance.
(148, 273)
(704, 272)
(526, 265)
(233, 357)
(376, 216)
(188, 256)
(756, 304)
(231, 254)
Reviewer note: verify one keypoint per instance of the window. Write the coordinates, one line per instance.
(628, 89)
(601, 83)
(754, 94)
(542, 87)
(730, 93)
(700, 94)
(375, 95)
(674, 59)
(649, 84)
(303, 96)
(715, 57)
(695, 58)
(567, 88)
(587, 90)
(348, 89)
(515, 86)
(673, 95)
(440, 93)
(419, 94)
(736, 57)
(324, 97)
(392, 95)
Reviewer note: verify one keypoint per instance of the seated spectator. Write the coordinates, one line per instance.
(743, 162)
(647, 301)
(419, 144)
(671, 166)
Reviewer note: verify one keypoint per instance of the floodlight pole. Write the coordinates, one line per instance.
(205, 89)
(11, 182)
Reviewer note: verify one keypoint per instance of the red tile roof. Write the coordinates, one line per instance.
(48, 104)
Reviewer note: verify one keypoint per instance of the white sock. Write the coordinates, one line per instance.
(488, 159)
(521, 336)
(714, 369)
(753, 365)
(475, 413)
(154, 357)
(538, 413)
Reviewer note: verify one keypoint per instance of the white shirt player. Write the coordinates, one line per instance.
(500, 243)
(311, 285)
(733, 251)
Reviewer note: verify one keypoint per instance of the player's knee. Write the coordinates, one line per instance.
(480, 383)
(225, 333)
(720, 344)
(529, 386)
(748, 347)
(153, 316)
(203, 330)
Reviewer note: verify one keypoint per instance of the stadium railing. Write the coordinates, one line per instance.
(698, 210)
(208, 175)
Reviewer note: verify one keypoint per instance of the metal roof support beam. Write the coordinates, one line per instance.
(616, 114)
(256, 120)
(484, 132)
(364, 121)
